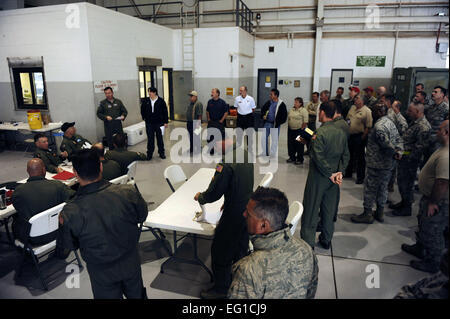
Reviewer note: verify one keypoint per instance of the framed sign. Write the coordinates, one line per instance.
(371, 60)
(100, 85)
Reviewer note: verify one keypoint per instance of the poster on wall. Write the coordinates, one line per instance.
(371, 60)
(100, 85)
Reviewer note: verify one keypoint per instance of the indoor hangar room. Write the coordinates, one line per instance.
(224, 149)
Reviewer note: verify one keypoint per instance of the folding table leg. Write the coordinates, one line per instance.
(36, 264)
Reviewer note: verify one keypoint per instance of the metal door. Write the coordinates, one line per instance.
(267, 80)
(341, 77)
(182, 85)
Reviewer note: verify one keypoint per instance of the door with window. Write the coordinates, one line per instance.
(146, 80)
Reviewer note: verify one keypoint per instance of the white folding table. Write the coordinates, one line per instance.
(177, 213)
(25, 126)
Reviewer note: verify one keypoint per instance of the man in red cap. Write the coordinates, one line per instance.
(369, 99)
(353, 91)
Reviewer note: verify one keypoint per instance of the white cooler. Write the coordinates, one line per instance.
(136, 133)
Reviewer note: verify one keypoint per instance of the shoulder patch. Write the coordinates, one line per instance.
(219, 168)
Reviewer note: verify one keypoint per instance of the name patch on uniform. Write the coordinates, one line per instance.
(219, 168)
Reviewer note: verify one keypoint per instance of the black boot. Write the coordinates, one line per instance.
(365, 218)
(396, 206)
(404, 211)
(379, 214)
(416, 250)
(424, 266)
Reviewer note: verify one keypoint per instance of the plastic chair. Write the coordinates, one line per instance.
(42, 224)
(120, 180)
(174, 175)
(265, 182)
(132, 170)
(294, 215)
(28, 142)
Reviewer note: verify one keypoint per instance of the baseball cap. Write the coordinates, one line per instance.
(193, 93)
(354, 88)
(369, 88)
(66, 125)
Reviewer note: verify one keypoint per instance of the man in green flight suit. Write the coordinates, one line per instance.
(112, 112)
(72, 142)
(329, 157)
(51, 159)
(121, 155)
(234, 180)
(111, 169)
(102, 221)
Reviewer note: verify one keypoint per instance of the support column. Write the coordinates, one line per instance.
(317, 45)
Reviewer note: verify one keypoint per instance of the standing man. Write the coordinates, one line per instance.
(384, 146)
(312, 108)
(154, 113)
(369, 99)
(112, 112)
(72, 142)
(433, 207)
(339, 94)
(51, 159)
(245, 105)
(381, 92)
(329, 157)
(360, 117)
(216, 112)
(274, 114)
(415, 139)
(435, 114)
(102, 221)
(230, 243)
(348, 103)
(281, 266)
(35, 196)
(194, 115)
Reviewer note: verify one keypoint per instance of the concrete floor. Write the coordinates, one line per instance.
(343, 270)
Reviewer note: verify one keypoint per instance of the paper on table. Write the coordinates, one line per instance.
(208, 217)
(86, 145)
(198, 130)
(162, 129)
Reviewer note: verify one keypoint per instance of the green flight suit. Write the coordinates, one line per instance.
(50, 159)
(33, 197)
(72, 145)
(102, 221)
(329, 154)
(230, 243)
(339, 122)
(111, 170)
(124, 157)
(113, 109)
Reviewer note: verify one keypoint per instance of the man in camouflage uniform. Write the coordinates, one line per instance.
(329, 157)
(51, 159)
(433, 208)
(72, 142)
(281, 266)
(415, 140)
(234, 181)
(384, 143)
(435, 115)
(121, 155)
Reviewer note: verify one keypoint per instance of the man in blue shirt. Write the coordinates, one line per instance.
(216, 112)
(274, 114)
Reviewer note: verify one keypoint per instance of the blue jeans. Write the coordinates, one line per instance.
(274, 138)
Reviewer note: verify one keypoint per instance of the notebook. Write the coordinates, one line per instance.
(64, 176)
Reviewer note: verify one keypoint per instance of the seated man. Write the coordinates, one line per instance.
(35, 196)
(102, 221)
(121, 155)
(289, 260)
(111, 169)
(51, 159)
(72, 142)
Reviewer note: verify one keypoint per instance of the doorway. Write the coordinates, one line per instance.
(267, 80)
(168, 90)
(340, 78)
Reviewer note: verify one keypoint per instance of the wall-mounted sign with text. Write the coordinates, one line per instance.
(371, 60)
(100, 85)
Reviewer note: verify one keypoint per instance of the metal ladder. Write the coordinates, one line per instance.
(187, 47)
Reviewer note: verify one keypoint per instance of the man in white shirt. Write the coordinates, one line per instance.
(245, 105)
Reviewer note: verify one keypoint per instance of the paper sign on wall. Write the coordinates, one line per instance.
(267, 78)
(230, 91)
(267, 85)
(99, 86)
